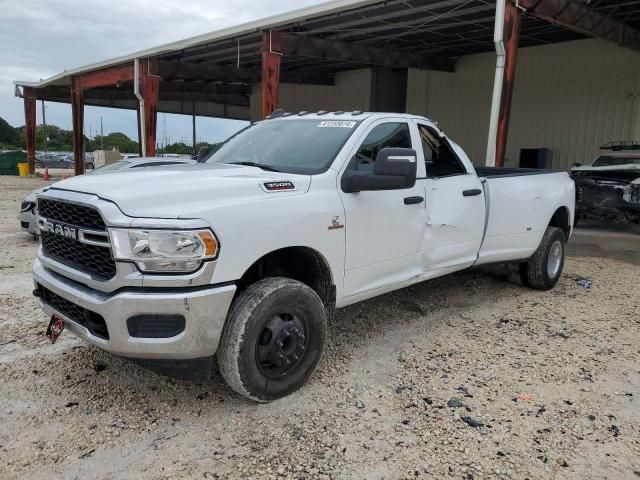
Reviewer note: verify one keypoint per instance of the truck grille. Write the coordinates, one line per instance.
(92, 321)
(94, 260)
(91, 259)
(79, 216)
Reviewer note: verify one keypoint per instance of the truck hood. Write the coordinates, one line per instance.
(181, 191)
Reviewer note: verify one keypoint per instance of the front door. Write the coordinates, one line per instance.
(455, 206)
(384, 228)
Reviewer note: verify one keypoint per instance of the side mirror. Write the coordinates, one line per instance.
(576, 165)
(202, 153)
(394, 169)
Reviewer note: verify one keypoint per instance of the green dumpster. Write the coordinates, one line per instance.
(9, 161)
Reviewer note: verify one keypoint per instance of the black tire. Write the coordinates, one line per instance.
(538, 272)
(273, 339)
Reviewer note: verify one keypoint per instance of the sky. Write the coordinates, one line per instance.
(41, 38)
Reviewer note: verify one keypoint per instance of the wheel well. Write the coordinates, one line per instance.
(298, 263)
(561, 220)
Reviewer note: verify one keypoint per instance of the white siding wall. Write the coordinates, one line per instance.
(569, 97)
(352, 91)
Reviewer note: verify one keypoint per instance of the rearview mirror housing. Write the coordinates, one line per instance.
(394, 169)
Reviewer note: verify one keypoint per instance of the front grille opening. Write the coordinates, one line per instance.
(94, 260)
(71, 213)
(156, 326)
(92, 321)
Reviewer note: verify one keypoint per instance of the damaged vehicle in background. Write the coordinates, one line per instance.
(28, 207)
(609, 189)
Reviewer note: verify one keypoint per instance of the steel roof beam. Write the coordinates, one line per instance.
(192, 71)
(580, 17)
(386, 16)
(105, 78)
(426, 23)
(308, 46)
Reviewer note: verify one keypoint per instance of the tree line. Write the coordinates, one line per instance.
(61, 140)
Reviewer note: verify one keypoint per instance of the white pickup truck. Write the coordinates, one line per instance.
(241, 259)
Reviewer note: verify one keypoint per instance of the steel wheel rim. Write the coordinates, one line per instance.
(555, 259)
(281, 345)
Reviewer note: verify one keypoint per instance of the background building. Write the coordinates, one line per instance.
(561, 96)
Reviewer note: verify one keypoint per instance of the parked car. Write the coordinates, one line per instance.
(131, 163)
(609, 189)
(28, 206)
(28, 212)
(91, 159)
(246, 256)
(54, 160)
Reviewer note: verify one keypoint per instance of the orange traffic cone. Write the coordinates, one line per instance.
(46, 173)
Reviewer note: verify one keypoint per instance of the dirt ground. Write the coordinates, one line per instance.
(466, 377)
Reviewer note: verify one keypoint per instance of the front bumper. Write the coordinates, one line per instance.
(204, 310)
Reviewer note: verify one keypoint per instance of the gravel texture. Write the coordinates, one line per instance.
(465, 377)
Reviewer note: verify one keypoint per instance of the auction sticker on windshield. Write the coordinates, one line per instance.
(336, 124)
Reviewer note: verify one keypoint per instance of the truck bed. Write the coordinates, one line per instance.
(497, 172)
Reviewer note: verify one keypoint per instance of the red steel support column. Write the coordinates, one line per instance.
(270, 76)
(30, 126)
(150, 87)
(512, 22)
(77, 113)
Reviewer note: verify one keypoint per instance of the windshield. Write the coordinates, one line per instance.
(112, 167)
(611, 161)
(306, 146)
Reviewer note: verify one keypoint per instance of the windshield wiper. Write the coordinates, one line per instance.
(254, 164)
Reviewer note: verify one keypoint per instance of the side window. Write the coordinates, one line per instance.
(440, 159)
(394, 135)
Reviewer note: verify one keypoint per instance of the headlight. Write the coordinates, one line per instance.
(164, 251)
(27, 206)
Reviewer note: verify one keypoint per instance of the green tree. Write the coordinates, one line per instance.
(9, 135)
(181, 148)
(114, 140)
(58, 139)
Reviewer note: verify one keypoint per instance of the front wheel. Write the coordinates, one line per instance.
(273, 339)
(544, 268)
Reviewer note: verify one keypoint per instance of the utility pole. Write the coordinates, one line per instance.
(193, 121)
(44, 126)
(101, 135)
(164, 126)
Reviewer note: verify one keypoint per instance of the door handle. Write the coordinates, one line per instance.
(413, 200)
(472, 193)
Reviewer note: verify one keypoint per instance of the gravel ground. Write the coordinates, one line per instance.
(465, 377)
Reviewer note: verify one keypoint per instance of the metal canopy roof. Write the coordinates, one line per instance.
(440, 29)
